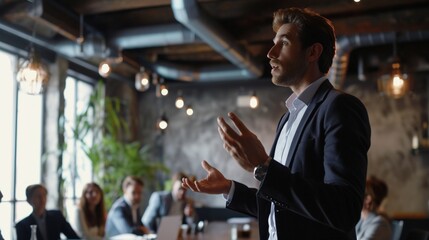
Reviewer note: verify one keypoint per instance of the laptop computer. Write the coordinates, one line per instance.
(169, 228)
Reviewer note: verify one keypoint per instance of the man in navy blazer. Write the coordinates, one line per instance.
(124, 215)
(172, 202)
(50, 223)
(312, 182)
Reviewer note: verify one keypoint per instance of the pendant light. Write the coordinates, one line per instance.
(32, 74)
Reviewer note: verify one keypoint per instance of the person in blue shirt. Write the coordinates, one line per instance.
(125, 214)
(373, 224)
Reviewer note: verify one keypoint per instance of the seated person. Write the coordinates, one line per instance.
(90, 218)
(374, 225)
(50, 223)
(172, 202)
(124, 216)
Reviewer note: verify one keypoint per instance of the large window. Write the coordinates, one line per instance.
(20, 145)
(77, 168)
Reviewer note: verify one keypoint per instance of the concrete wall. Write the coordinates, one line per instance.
(189, 140)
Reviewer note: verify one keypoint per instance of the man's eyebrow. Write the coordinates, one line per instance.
(282, 36)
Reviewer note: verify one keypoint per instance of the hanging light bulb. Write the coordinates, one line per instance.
(104, 68)
(32, 74)
(397, 84)
(254, 101)
(189, 110)
(179, 102)
(163, 90)
(163, 122)
(142, 81)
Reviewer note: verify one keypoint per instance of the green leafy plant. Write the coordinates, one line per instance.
(112, 155)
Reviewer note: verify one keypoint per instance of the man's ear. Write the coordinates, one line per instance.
(314, 52)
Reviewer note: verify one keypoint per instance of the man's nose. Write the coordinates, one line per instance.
(272, 52)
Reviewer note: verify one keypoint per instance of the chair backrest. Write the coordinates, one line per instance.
(397, 226)
(413, 227)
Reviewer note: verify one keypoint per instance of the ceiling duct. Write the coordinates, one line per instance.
(206, 74)
(337, 73)
(187, 12)
(164, 35)
(94, 46)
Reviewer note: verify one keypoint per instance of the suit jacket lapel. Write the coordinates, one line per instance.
(311, 109)
(127, 211)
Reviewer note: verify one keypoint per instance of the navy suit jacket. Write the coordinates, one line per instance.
(120, 219)
(55, 225)
(319, 193)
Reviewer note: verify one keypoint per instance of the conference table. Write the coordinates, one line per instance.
(233, 229)
(217, 230)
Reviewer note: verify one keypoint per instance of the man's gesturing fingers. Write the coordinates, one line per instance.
(238, 123)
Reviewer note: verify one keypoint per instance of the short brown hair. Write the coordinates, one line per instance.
(131, 180)
(312, 28)
(178, 177)
(377, 189)
(29, 191)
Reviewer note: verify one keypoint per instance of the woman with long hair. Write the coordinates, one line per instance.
(90, 219)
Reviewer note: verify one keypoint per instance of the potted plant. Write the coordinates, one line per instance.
(112, 154)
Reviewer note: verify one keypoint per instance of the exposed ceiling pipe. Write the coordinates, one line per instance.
(187, 12)
(206, 74)
(346, 44)
(53, 46)
(163, 35)
(174, 34)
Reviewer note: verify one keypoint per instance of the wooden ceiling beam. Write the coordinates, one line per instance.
(57, 18)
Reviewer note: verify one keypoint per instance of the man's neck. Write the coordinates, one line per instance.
(364, 214)
(305, 82)
(39, 212)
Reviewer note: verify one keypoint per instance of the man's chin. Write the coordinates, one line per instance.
(276, 81)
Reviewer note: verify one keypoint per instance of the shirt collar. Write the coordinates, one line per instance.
(294, 101)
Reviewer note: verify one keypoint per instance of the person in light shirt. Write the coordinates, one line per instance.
(312, 182)
(169, 202)
(125, 214)
(374, 224)
(90, 217)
